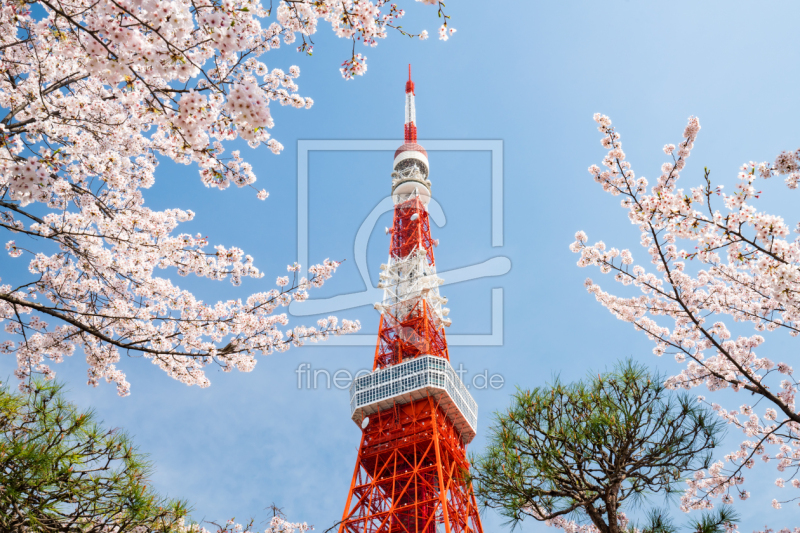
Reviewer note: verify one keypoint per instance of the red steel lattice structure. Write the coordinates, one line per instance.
(411, 229)
(417, 334)
(416, 416)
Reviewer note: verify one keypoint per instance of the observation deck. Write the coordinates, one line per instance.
(412, 380)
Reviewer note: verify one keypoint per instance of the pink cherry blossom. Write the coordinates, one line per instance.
(715, 271)
(94, 95)
(276, 525)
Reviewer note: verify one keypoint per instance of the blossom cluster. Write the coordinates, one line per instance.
(357, 20)
(743, 265)
(355, 66)
(276, 525)
(445, 32)
(571, 526)
(26, 181)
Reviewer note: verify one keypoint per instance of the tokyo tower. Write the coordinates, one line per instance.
(416, 415)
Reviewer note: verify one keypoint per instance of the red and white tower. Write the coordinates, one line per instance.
(416, 415)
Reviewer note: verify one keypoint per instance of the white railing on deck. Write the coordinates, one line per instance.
(419, 373)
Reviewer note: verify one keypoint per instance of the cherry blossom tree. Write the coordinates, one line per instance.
(92, 94)
(715, 268)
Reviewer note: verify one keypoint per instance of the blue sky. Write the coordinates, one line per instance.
(530, 74)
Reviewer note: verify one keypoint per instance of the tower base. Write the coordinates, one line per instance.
(410, 475)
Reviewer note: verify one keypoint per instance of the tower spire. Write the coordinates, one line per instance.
(411, 112)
